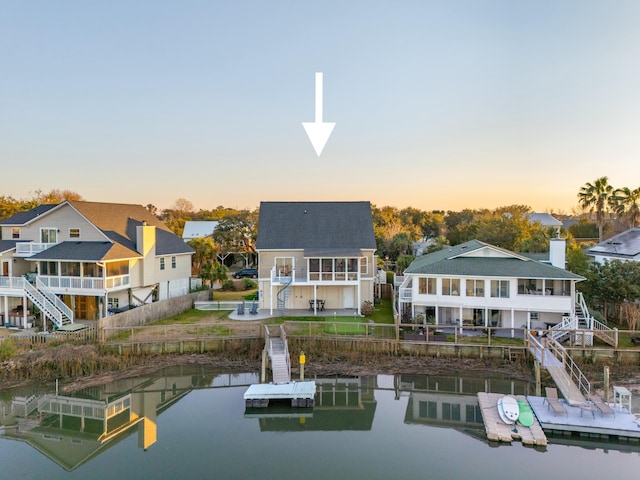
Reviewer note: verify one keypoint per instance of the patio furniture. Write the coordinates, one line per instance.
(254, 309)
(603, 407)
(553, 401)
(621, 396)
(588, 406)
(635, 339)
(241, 308)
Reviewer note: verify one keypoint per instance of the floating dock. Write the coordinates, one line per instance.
(301, 394)
(498, 431)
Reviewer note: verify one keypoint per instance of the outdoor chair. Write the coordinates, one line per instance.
(254, 309)
(241, 308)
(602, 406)
(553, 401)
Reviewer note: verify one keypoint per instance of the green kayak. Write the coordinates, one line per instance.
(525, 418)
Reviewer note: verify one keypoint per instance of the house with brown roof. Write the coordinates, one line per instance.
(83, 260)
(315, 255)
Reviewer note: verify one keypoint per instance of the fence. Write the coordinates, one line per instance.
(86, 335)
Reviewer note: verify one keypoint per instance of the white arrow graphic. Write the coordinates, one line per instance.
(318, 131)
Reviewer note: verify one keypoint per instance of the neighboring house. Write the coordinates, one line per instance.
(198, 229)
(82, 260)
(420, 246)
(624, 246)
(315, 255)
(478, 284)
(545, 219)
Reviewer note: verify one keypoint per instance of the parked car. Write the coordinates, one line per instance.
(246, 273)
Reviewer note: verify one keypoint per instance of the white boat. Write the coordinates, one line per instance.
(508, 409)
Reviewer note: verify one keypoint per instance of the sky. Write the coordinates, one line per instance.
(438, 105)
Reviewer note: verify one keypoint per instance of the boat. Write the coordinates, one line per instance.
(508, 409)
(525, 414)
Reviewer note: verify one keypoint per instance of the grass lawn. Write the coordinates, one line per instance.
(191, 316)
(221, 296)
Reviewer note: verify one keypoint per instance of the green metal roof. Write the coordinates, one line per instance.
(478, 259)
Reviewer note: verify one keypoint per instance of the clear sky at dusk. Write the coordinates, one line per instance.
(438, 104)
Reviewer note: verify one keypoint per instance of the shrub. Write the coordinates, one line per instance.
(7, 349)
(249, 284)
(227, 285)
(366, 308)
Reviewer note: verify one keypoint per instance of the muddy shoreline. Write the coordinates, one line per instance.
(84, 366)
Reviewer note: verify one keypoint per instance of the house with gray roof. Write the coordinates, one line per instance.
(315, 255)
(478, 284)
(198, 229)
(545, 219)
(624, 246)
(82, 260)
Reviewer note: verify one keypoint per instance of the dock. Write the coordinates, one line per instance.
(301, 394)
(498, 431)
(621, 425)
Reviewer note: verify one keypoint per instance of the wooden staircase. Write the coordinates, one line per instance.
(278, 352)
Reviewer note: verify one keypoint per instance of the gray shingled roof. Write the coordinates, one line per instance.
(118, 221)
(6, 245)
(316, 226)
(85, 252)
(623, 245)
(22, 218)
(450, 261)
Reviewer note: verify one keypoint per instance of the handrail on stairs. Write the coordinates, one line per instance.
(43, 303)
(53, 298)
(570, 366)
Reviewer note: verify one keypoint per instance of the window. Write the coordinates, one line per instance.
(451, 286)
(15, 232)
(115, 269)
(161, 263)
(530, 286)
(427, 286)
(451, 411)
(113, 303)
(475, 288)
(364, 265)
(70, 269)
(48, 268)
(48, 235)
(173, 262)
(534, 316)
(500, 288)
(74, 233)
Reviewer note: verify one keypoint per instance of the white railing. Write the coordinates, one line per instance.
(585, 310)
(601, 330)
(43, 303)
(27, 249)
(561, 330)
(12, 282)
(406, 294)
(90, 283)
(286, 351)
(570, 366)
(279, 276)
(60, 305)
(217, 305)
(117, 281)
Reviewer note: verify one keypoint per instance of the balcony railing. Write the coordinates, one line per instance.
(28, 249)
(406, 294)
(85, 283)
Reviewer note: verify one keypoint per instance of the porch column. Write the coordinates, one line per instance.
(486, 317)
(270, 298)
(24, 311)
(6, 309)
(315, 299)
(513, 323)
(528, 320)
(359, 297)
(460, 321)
(437, 316)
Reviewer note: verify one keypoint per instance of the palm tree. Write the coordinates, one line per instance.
(597, 197)
(628, 205)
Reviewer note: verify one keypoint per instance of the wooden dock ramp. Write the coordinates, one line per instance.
(498, 431)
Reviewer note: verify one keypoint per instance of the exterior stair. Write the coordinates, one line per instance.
(283, 297)
(49, 307)
(279, 356)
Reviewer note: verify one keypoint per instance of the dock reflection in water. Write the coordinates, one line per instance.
(75, 430)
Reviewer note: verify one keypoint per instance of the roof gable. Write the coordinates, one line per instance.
(478, 259)
(315, 226)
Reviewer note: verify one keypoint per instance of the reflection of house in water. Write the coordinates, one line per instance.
(452, 401)
(341, 403)
(71, 430)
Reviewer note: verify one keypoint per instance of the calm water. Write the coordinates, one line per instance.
(192, 423)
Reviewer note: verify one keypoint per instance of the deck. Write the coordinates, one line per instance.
(622, 425)
(498, 431)
(301, 394)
